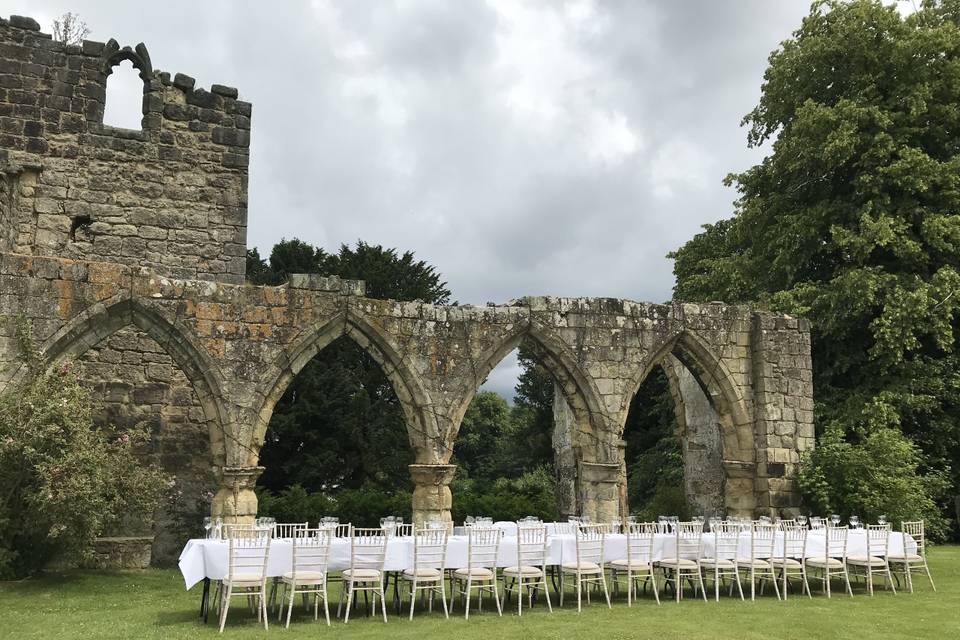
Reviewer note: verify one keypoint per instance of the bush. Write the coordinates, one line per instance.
(361, 507)
(64, 481)
(877, 474)
(532, 494)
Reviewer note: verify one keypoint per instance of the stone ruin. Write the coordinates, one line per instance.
(125, 250)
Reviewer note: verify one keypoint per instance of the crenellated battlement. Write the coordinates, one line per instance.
(171, 196)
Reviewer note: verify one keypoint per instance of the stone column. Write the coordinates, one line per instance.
(431, 491)
(235, 500)
(565, 455)
(600, 491)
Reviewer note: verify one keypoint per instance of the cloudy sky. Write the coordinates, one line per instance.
(523, 148)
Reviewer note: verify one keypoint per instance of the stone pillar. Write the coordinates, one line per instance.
(564, 455)
(703, 471)
(235, 500)
(432, 499)
(600, 491)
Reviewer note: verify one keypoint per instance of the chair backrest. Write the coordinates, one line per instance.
(794, 541)
(368, 548)
(249, 548)
(878, 540)
(341, 530)
(689, 540)
(817, 523)
(640, 536)
(590, 541)
(914, 529)
(561, 528)
(288, 529)
(531, 545)
(726, 540)
(311, 550)
(762, 539)
(430, 549)
(238, 530)
(787, 522)
(483, 544)
(400, 530)
(835, 544)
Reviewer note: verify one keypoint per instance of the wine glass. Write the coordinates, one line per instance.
(881, 519)
(207, 525)
(835, 519)
(854, 522)
(802, 520)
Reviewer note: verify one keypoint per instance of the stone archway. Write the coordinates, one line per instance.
(737, 441)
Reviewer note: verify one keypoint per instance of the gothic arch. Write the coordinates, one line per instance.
(579, 390)
(103, 319)
(417, 409)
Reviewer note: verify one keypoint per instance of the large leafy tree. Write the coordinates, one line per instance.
(340, 424)
(853, 219)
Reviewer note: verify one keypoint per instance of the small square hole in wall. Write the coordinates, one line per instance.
(123, 107)
(80, 229)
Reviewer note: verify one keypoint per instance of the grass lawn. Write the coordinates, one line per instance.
(154, 604)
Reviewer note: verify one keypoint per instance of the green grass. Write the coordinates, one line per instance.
(153, 604)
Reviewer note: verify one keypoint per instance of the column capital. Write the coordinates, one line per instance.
(432, 474)
(241, 477)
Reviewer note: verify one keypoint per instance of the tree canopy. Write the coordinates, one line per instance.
(853, 219)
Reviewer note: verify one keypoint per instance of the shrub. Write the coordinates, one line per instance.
(878, 473)
(362, 507)
(64, 481)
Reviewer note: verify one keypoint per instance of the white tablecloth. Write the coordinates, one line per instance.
(209, 558)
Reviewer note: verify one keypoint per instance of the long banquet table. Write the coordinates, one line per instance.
(208, 559)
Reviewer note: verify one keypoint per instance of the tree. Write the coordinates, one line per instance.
(70, 29)
(852, 220)
(64, 481)
(339, 424)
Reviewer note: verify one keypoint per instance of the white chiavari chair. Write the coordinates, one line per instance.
(792, 562)
(817, 523)
(910, 563)
(723, 564)
(639, 561)
(308, 571)
(688, 540)
(429, 558)
(587, 570)
(288, 529)
(530, 572)
(833, 562)
(368, 551)
(483, 545)
(759, 562)
(248, 550)
(876, 560)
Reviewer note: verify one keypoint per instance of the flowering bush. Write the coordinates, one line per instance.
(63, 481)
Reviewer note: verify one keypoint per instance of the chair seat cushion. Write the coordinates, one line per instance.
(678, 563)
(786, 562)
(361, 575)
(582, 567)
(474, 574)
(422, 574)
(525, 570)
(623, 564)
(756, 563)
(910, 557)
(718, 564)
(245, 580)
(866, 561)
(305, 577)
(833, 563)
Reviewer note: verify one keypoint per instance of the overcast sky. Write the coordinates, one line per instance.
(523, 148)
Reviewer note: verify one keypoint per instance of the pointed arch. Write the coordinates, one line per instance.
(579, 390)
(99, 321)
(414, 400)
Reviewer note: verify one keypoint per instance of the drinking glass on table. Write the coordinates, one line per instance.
(881, 519)
(207, 526)
(835, 519)
(631, 519)
(854, 522)
(802, 520)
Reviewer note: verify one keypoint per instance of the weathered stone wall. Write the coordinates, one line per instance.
(171, 196)
(126, 249)
(136, 382)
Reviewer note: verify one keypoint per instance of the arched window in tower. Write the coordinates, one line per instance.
(123, 107)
